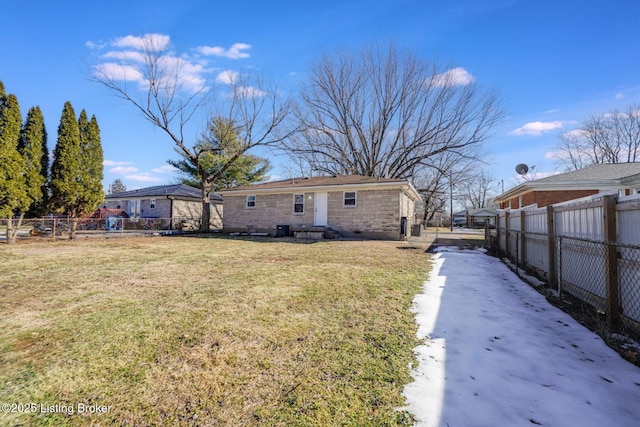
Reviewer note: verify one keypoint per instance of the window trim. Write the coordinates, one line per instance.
(294, 204)
(344, 199)
(247, 205)
(152, 203)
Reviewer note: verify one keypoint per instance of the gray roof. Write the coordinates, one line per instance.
(606, 177)
(178, 191)
(325, 183)
(610, 171)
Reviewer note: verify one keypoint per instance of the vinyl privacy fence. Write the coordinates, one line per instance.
(589, 248)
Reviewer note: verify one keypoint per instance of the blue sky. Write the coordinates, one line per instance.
(554, 63)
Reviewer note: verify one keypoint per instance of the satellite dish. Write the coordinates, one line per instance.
(522, 169)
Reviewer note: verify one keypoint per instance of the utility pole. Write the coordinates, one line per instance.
(451, 201)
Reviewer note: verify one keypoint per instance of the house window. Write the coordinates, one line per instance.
(251, 201)
(349, 198)
(298, 203)
(152, 203)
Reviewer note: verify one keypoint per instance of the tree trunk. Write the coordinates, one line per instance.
(206, 208)
(12, 231)
(74, 224)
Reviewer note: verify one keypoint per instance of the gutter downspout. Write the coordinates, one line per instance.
(171, 225)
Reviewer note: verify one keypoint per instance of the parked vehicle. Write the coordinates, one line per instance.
(46, 229)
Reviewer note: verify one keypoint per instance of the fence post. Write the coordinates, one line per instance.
(498, 249)
(523, 241)
(551, 238)
(611, 258)
(506, 234)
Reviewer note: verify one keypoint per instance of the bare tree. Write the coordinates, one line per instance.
(612, 137)
(434, 183)
(432, 186)
(478, 190)
(169, 98)
(385, 113)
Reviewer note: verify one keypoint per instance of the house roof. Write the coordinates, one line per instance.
(325, 183)
(596, 177)
(178, 191)
(606, 172)
(482, 212)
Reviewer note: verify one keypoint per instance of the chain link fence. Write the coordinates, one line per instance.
(591, 271)
(59, 227)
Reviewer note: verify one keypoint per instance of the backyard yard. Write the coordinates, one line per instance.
(207, 331)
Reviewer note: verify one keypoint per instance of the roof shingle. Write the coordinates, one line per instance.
(175, 190)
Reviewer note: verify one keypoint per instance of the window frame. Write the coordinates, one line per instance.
(247, 204)
(152, 203)
(295, 212)
(354, 198)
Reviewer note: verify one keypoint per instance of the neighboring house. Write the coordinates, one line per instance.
(621, 177)
(176, 202)
(352, 205)
(481, 216)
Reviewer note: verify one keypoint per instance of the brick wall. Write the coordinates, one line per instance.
(270, 210)
(545, 198)
(376, 213)
(181, 209)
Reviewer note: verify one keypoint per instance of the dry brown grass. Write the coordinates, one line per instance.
(187, 331)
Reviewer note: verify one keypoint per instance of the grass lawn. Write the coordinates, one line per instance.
(207, 331)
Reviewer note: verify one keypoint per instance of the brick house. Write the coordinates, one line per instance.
(350, 205)
(175, 202)
(621, 177)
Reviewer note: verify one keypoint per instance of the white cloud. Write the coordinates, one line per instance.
(227, 77)
(454, 77)
(249, 92)
(619, 95)
(94, 45)
(153, 42)
(113, 71)
(122, 170)
(125, 55)
(554, 110)
(234, 52)
(165, 169)
(115, 163)
(555, 154)
(143, 177)
(537, 128)
(126, 62)
(123, 60)
(576, 133)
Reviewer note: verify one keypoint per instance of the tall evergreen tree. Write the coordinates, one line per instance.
(76, 173)
(93, 158)
(33, 148)
(117, 186)
(13, 186)
(66, 170)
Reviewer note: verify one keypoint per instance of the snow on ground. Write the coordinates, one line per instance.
(496, 353)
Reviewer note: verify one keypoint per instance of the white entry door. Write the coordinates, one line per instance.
(320, 209)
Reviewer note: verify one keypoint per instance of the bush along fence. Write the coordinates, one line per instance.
(588, 248)
(59, 227)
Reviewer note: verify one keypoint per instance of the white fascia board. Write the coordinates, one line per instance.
(405, 186)
(599, 185)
